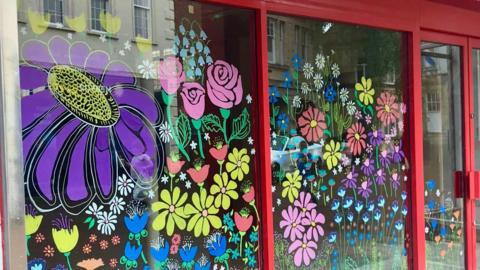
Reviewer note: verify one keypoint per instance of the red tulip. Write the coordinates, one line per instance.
(174, 166)
(199, 174)
(250, 195)
(243, 222)
(219, 153)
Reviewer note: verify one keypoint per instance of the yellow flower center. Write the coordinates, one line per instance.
(313, 123)
(294, 225)
(357, 136)
(83, 95)
(387, 108)
(313, 224)
(304, 246)
(205, 213)
(304, 209)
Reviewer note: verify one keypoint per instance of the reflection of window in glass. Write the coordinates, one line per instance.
(281, 41)
(271, 40)
(433, 102)
(302, 41)
(98, 7)
(55, 9)
(142, 17)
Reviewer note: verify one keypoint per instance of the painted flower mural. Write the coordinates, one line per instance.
(339, 195)
(137, 168)
(91, 114)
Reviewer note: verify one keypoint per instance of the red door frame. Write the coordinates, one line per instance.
(412, 17)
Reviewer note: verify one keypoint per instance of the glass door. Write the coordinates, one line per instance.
(444, 155)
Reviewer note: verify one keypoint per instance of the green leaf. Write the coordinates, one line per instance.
(276, 110)
(285, 99)
(87, 220)
(184, 130)
(240, 126)
(92, 223)
(211, 123)
(295, 75)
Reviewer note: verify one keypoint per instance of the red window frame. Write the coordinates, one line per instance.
(418, 19)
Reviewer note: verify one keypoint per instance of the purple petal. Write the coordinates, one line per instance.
(31, 77)
(35, 105)
(103, 162)
(59, 48)
(134, 137)
(96, 63)
(76, 183)
(78, 54)
(117, 73)
(139, 100)
(37, 130)
(47, 160)
(36, 53)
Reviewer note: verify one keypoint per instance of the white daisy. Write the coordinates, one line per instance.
(249, 99)
(193, 145)
(335, 70)
(206, 136)
(106, 222)
(279, 201)
(127, 45)
(117, 205)
(297, 102)
(147, 69)
(318, 81)
(250, 140)
(274, 135)
(344, 95)
(320, 61)
(188, 184)
(305, 88)
(351, 109)
(94, 209)
(165, 132)
(183, 176)
(125, 185)
(308, 70)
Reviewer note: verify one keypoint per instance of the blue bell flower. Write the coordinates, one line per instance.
(370, 206)
(348, 202)
(217, 245)
(335, 204)
(131, 252)
(338, 218)
(434, 224)
(160, 253)
(377, 214)
(404, 210)
(395, 206)
(365, 217)
(198, 266)
(136, 223)
(332, 237)
(350, 216)
(399, 225)
(358, 206)
(404, 195)
(187, 252)
(381, 201)
(341, 191)
(37, 264)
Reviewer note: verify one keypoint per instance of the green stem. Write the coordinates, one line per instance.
(67, 256)
(225, 130)
(174, 135)
(200, 143)
(143, 255)
(227, 267)
(241, 243)
(255, 209)
(27, 239)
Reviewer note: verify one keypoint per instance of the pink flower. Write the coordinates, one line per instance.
(224, 85)
(313, 220)
(249, 196)
(174, 166)
(387, 108)
(356, 138)
(364, 189)
(292, 221)
(304, 251)
(304, 203)
(219, 152)
(193, 96)
(312, 124)
(243, 222)
(199, 174)
(170, 74)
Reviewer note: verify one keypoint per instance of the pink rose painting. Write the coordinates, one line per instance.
(193, 96)
(224, 85)
(170, 74)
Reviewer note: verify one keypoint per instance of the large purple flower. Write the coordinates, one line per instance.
(82, 117)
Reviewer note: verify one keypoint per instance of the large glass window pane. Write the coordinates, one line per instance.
(141, 154)
(337, 148)
(443, 154)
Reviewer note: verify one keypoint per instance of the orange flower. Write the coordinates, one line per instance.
(443, 252)
(91, 264)
(459, 232)
(48, 251)
(199, 173)
(438, 238)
